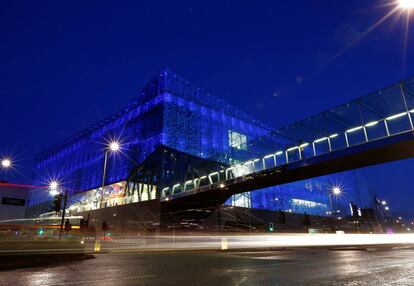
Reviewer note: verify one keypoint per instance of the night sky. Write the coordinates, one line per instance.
(65, 65)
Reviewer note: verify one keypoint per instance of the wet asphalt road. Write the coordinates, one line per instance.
(301, 267)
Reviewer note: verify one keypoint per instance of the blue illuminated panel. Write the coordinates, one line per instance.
(169, 111)
(308, 196)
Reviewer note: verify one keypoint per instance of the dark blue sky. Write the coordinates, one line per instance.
(67, 64)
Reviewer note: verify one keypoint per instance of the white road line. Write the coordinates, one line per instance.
(102, 280)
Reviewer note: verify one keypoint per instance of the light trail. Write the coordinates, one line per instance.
(214, 242)
(204, 242)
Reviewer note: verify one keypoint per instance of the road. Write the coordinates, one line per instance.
(296, 267)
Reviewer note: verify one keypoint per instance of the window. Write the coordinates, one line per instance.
(237, 141)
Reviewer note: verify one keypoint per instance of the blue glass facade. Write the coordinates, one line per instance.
(170, 111)
(312, 196)
(173, 112)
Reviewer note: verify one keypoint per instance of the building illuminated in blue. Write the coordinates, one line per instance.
(174, 131)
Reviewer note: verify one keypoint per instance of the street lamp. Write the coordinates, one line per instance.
(113, 146)
(334, 191)
(406, 4)
(6, 163)
(54, 190)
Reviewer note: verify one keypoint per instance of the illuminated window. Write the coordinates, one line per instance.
(241, 200)
(305, 203)
(237, 141)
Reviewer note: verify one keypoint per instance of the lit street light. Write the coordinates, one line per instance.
(406, 4)
(53, 188)
(6, 163)
(53, 185)
(334, 191)
(112, 147)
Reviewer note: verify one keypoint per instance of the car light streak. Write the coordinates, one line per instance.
(261, 241)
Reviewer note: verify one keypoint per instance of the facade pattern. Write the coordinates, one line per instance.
(172, 113)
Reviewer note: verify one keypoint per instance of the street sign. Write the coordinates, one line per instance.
(13, 201)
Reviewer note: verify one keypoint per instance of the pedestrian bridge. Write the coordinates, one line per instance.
(372, 129)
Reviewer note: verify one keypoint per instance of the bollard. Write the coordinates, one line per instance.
(224, 243)
(97, 245)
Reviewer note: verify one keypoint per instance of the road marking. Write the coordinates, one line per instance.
(105, 279)
(259, 265)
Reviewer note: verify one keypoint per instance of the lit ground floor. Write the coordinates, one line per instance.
(154, 217)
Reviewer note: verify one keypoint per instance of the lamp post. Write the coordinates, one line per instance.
(334, 191)
(112, 147)
(55, 191)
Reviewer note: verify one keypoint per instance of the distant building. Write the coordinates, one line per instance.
(13, 200)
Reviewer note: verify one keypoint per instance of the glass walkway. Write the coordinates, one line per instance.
(379, 115)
